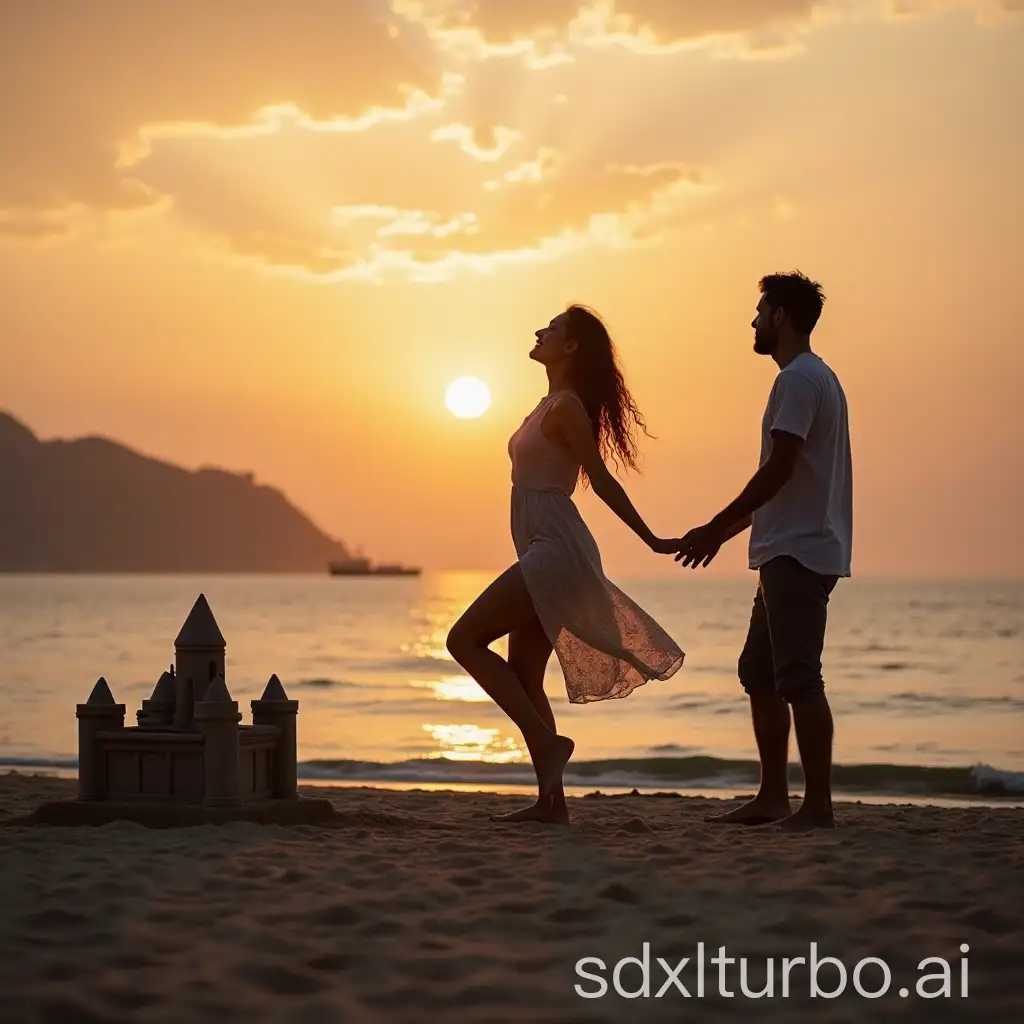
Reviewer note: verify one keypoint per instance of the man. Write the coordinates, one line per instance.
(799, 507)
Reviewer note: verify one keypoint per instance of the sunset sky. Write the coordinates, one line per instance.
(266, 235)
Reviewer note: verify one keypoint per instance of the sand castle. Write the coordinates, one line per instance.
(189, 747)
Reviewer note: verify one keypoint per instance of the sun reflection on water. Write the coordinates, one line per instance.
(433, 646)
(473, 743)
(461, 688)
(429, 646)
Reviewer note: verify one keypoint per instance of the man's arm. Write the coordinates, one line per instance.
(796, 399)
(738, 528)
(763, 486)
(700, 546)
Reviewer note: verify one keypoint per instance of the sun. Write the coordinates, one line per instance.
(467, 398)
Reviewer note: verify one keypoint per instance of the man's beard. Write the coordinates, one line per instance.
(765, 343)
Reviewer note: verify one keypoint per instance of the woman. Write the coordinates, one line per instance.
(556, 596)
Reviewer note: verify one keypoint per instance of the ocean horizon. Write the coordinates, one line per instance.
(925, 677)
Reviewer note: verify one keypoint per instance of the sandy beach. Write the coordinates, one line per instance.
(415, 906)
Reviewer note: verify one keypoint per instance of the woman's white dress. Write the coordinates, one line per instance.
(606, 644)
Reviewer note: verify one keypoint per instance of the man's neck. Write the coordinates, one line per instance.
(790, 349)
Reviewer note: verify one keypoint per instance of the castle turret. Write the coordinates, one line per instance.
(274, 708)
(158, 711)
(217, 716)
(199, 659)
(98, 714)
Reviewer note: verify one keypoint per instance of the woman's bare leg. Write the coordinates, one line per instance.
(528, 652)
(502, 608)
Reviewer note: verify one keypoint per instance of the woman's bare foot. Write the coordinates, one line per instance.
(804, 820)
(549, 762)
(759, 811)
(552, 812)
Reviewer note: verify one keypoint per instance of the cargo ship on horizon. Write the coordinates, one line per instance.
(365, 567)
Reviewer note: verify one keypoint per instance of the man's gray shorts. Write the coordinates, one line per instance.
(787, 630)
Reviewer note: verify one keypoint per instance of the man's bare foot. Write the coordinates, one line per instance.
(759, 811)
(551, 812)
(549, 762)
(805, 820)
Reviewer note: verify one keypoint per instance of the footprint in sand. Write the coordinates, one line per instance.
(634, 826)
(619, 893)
(56, 918)
(990, 921)
(339, 915)
(375, 929)
(676, 921)
(571, 915)
(333, 963)
(279, 980)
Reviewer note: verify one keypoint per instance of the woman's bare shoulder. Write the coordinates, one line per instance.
(570, 407)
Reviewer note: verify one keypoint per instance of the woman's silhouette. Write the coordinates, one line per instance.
(556, 595)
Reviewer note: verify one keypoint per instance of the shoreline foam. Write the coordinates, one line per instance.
(685, 775)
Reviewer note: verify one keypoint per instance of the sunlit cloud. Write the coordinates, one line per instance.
(617, 207)
(535, 170)
(284, 157)
(484, 142)
(40, 225)
(328, 206)
(546, 32)
(534, 30)
(272, 120)
(986, 11)
(406, 222)
(87, 92)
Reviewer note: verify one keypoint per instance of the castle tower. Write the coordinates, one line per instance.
(274, 708)
(99, 713)
(217, 717)
(158, 711)
(199, 659)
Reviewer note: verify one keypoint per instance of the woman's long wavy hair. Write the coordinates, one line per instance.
(596, 377)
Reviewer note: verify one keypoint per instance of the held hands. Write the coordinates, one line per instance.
(697, 548)
(664, 546)
(700, 545)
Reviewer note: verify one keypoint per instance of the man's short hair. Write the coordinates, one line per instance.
(798, 295)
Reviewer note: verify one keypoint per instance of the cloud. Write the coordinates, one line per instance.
(367, 217)
(544, 29)
(663, 24)
(87, 86)
(987, 11)
(38, 225)
(484, 142)
(539, 167)
(493, 27)
(525, 220)
(326, 139)
(547, 31)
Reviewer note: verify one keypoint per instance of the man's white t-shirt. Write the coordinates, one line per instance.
(811, 518)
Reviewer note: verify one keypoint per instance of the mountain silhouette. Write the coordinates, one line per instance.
(90, 505)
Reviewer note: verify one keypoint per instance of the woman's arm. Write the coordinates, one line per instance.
(567, 424)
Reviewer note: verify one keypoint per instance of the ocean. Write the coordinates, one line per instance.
(926, 681)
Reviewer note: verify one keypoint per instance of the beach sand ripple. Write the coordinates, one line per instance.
(414, 905)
